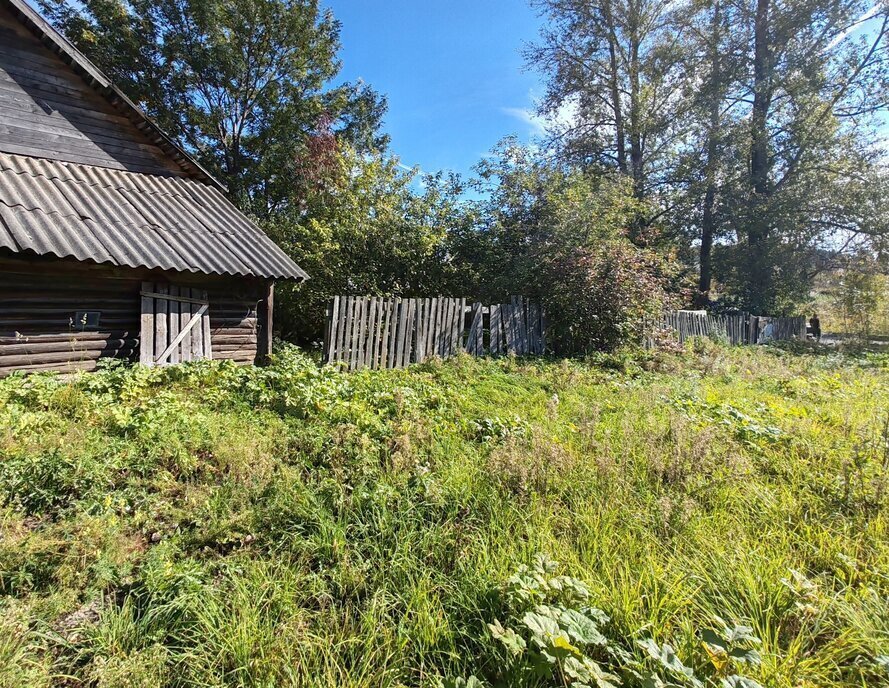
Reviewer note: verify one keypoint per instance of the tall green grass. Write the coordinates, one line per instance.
(208, 525)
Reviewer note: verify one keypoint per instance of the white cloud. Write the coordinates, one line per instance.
(854, 28)
(563, 118)
(536, 123)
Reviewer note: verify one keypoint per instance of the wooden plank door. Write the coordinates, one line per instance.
(175, 324)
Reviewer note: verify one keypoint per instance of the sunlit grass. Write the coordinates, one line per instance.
(216, 526)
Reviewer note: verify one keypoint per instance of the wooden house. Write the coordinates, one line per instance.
(114, 242)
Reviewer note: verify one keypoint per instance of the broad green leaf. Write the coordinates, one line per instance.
(714, 639)
(510, 639)
(741, 634)
(597, 615)
(652, 680)
(575, 669)
(589, 671)
(540, 625)
(460, 682)
(749, 656)
(602, 678)
(667, 657)
(581, 628)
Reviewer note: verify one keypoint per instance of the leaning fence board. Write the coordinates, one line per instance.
(494, 329)
(473, 339)
(333, 321)
(205, 329)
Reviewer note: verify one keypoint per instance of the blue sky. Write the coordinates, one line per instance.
(452, 71)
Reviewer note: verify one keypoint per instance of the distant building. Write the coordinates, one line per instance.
(113, 240)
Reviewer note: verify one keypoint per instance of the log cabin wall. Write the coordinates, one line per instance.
(40, 300)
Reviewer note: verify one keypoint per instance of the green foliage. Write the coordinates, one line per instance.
(209, 524)
(366, 231)
(557, 633)
(569, 240)
(753, 129)
(855, 299)
(597, 298)
(554, 635)
(243, 84)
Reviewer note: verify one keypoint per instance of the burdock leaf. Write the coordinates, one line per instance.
(666, 656)
(589, 672)
(714, 639)
(741, 634)
(540, 625)
(581, 628)
(751, 657)
(510, 639)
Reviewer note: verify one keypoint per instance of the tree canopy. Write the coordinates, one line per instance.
(243, 84)
(752, 125)
(714, 152)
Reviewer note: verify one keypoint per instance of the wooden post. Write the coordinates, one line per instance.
(265, 322)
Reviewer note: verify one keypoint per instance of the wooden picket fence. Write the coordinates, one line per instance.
(376, 332)
(740, 328)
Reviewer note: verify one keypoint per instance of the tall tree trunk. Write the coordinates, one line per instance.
(636, 141)
(706, 255)
(616, 104)
(759, 274)
(620, 132)
(762, 96)
(708, 221)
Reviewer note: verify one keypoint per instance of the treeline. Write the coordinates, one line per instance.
(697, 150)
(751, 126)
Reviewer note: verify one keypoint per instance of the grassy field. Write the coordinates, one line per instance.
(712, 517)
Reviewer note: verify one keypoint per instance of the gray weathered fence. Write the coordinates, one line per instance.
(741, 328)
(376, 332)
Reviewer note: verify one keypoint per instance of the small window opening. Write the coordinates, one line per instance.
(87, 320)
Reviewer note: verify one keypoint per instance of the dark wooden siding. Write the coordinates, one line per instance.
(48, 111)
(39, 300)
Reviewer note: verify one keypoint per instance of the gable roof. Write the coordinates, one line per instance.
(133, 219)
(78, 62)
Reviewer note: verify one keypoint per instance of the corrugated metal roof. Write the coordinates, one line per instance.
(130, 219)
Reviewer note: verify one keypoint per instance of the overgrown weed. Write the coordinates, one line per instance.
(209, 524)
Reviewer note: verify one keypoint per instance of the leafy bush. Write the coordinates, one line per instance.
(554, 635)
(597, 298)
